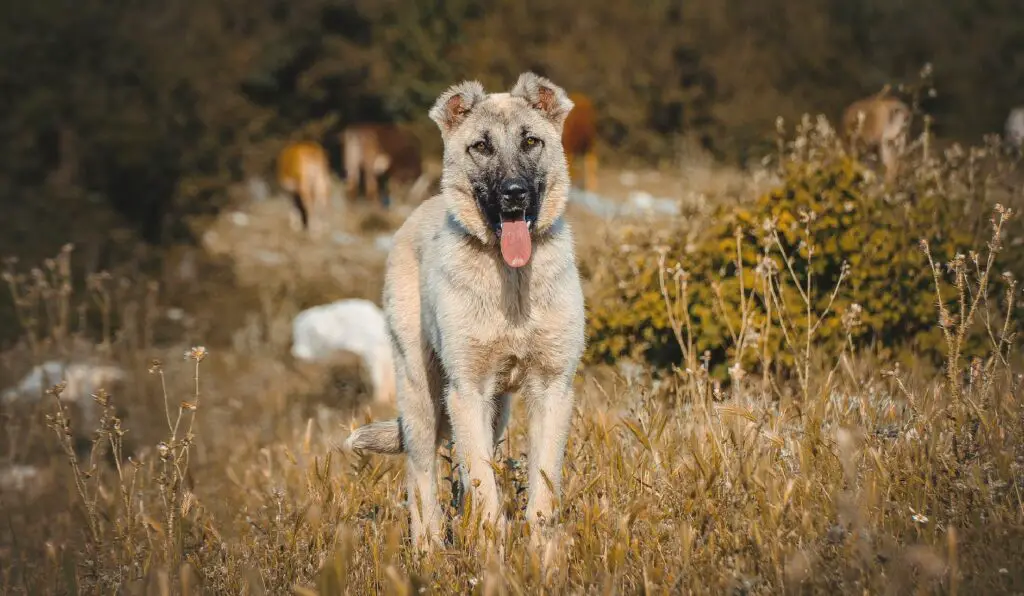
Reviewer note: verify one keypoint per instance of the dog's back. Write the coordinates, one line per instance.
(363, 143)
(376, 153)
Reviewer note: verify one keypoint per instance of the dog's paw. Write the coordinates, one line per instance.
(550, 543)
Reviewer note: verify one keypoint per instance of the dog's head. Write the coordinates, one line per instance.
(505, 175)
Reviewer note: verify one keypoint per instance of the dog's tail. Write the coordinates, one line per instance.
(377, 437)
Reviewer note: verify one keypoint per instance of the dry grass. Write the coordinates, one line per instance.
(849, 475)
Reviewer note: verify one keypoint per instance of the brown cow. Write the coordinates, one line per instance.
(579, 136)
(373, 154)
(878, 123)
(304, 172)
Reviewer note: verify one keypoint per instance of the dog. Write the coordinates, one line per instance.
(304, 172)
(579, 138)
(374, 154)
(483, 298)
(878, 123)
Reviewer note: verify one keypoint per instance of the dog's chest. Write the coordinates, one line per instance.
(507, 325)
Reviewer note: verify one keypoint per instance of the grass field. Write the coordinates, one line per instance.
(211, 468)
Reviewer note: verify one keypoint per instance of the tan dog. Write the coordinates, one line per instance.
(579, 138)
(878, 123)
(377, 153)
(304, 172)
(482, 298)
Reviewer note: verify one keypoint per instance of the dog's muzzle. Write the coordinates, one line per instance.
(510, 207)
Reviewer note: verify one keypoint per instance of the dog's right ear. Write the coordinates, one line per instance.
(454, 105)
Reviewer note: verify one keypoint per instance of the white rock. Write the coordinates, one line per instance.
(23, 479)
(239, 219)
(258, 189)
(351, 325)
(83, 380)
(269, 257)
(594, 203)
(641, 199)
(1014, 129)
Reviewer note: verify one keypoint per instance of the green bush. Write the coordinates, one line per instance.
(825, 220)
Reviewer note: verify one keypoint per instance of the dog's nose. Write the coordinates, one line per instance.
(513, 194)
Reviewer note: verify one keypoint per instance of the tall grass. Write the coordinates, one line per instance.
(852, 474)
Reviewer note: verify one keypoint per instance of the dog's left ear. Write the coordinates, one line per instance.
(544, 96)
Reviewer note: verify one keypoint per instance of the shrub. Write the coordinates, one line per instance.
(752, 282)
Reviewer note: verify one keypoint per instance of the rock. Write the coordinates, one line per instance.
(239, 219)
(595, 203)
(269, 257)
(27, 480)
(83, 380)
(642, 201)
(258, 189)
(351, 325)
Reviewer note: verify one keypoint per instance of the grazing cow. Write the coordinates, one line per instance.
(304, 172)
(1014, 132)
(374, 154)
(578, 139)
(878, 123)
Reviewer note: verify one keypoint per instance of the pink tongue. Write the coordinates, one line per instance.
(515, 242)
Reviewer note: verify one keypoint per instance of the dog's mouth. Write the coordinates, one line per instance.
(513, 232)
(513, 224)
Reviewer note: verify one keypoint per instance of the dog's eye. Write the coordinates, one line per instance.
(530, 142)
(479, 147)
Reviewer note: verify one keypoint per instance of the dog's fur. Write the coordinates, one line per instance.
(305, 174)
(375, 154)
(884, 128)
(467, 328)
(579, 138)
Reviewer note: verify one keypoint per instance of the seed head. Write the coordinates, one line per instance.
(197, 353)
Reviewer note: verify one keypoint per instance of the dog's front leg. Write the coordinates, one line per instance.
(471, 418)
(550, 405)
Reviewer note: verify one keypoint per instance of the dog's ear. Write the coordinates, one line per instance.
(544, 96)
(454, 105)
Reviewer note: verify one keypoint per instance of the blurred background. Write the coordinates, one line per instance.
(146, 135)
(136, 115)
